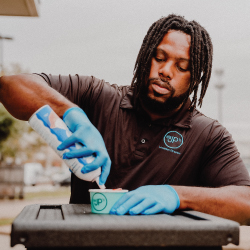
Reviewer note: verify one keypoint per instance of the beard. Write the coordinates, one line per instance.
(158, 107)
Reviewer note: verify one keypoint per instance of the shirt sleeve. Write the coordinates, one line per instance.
(96, 97)
(222, 164)
(78, 89)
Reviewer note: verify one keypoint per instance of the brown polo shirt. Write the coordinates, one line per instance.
(189, 149)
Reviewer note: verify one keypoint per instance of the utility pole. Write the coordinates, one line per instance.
(219, 85)
(1, 52)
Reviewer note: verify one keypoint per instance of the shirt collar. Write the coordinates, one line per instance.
(127, 101)
(181, 119)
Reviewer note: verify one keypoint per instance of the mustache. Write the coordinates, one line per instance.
(162, 82)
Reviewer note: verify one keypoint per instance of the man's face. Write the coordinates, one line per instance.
(169, 77)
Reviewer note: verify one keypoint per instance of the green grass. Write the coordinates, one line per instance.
(6, 221)
(59, 192)
(62, 192)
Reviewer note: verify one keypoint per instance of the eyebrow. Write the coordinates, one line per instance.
(165, 54)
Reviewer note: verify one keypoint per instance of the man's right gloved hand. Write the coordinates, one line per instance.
(86, 134)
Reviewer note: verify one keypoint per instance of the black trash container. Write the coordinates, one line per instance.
(73, 226)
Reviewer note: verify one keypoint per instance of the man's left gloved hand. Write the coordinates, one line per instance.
(147, 200)
(86, 134)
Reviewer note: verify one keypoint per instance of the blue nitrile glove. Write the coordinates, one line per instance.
(147, 200)
(86, 134)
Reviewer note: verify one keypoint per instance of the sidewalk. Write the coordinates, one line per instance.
(244, 240)
(11, 208)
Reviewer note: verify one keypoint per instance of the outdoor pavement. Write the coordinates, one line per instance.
(11, 208)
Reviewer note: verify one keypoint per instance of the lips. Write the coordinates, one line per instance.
(160, 90)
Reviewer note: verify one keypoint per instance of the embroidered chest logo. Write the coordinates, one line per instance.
(172, 140)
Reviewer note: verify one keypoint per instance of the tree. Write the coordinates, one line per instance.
(6, 124)
(14, 69)
(17, 139)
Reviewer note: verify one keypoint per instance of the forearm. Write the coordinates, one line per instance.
(231, 202)
(23, 94)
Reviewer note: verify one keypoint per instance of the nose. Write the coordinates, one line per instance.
(166, 70)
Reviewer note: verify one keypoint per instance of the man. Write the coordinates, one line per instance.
(161, 147)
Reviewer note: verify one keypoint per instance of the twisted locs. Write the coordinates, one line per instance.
(201, 54)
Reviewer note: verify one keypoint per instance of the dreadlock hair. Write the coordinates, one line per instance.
(201, 54)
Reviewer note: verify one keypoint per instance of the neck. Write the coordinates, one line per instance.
(155, 117)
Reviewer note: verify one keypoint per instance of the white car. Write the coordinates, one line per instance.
(32, 171)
